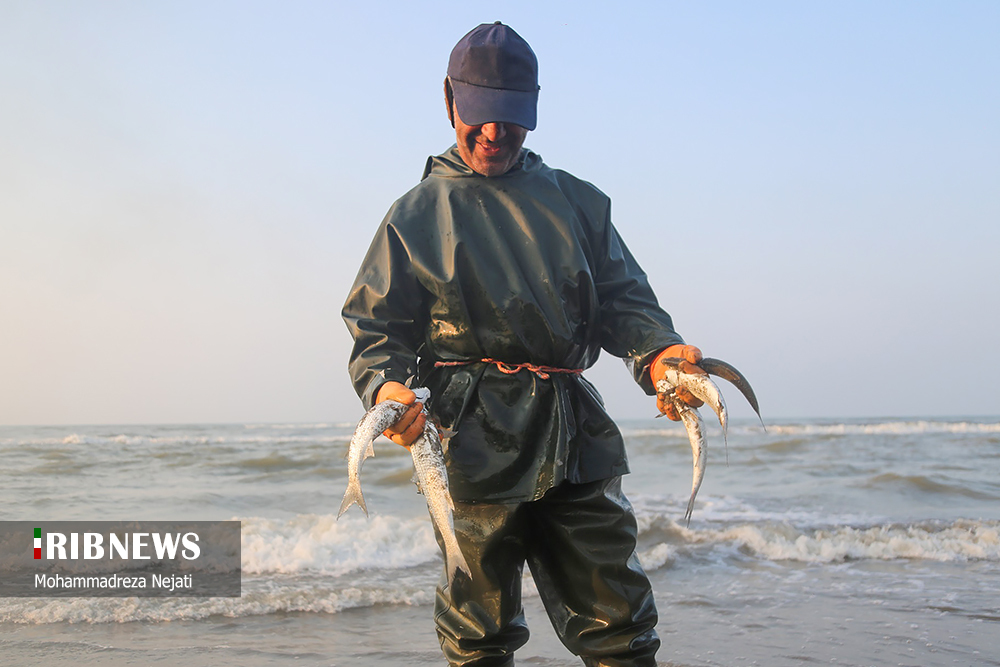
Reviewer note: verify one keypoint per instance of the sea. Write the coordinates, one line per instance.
(813, 542)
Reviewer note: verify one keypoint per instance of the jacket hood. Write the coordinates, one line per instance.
(450, 165)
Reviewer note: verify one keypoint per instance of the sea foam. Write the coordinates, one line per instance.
(961, 540)
(322, 544)
(313, 563)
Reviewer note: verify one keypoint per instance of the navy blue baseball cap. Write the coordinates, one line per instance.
(494, 77)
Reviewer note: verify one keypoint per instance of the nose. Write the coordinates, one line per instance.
(494, 131)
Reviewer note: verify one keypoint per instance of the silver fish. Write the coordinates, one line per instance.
(696, 436)
(428, 462)
(432, 478)
(699, 450)
(379, 418)
(705, 389)
(702, 386)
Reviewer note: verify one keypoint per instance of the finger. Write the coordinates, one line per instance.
(403, 423)
(689, 398)
(693, 354)
(687, 352)
(413, 431)
(406, 436)
(665, 401)
(397, 392)
(406, 419)
(671, 412)
(687, 367)
(399, 440)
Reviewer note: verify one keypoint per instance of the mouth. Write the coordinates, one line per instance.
(490, 149)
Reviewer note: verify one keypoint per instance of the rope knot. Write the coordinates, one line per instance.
(510, 369)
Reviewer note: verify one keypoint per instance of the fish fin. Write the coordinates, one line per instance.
(353, 496)
(445, 435)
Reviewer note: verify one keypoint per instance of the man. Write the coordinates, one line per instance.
(495, 282)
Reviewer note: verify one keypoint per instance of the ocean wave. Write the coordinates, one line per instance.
(637, 437)
(301, 427)
(676, 431)
(259, 598)
(925, 485)
(959, 541)
(308, 563)
(661, 514)
(885, 428)
(75, 439)
(786, 534)
(322, 544)
(313, 563)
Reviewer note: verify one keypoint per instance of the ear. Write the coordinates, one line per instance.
(449, 100)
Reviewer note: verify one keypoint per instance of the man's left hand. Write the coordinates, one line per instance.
(690, 356)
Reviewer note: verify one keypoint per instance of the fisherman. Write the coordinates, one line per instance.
(495, 282)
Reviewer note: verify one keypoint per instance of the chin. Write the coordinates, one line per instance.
(492, 170)
(494, 167)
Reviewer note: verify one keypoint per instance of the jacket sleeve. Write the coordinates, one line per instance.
(383, 314)
(633, 326)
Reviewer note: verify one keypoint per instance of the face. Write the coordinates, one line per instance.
(490, 149)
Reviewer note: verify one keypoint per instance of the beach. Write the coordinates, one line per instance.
(849, 542)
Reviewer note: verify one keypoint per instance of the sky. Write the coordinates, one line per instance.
(188, 188)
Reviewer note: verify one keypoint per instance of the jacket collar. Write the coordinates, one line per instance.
(450, 165)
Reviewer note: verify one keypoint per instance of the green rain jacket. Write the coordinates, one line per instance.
(521, 268)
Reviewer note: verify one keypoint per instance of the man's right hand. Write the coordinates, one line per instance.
(410, 425)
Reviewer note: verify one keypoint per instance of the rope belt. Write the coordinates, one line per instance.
(511, 369)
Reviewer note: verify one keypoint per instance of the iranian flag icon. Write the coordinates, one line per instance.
(38, 543)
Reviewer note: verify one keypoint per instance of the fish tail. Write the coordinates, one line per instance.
(456, 561)
(690, 509)
(351, 496)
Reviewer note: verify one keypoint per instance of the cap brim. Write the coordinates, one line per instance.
(479, 104)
